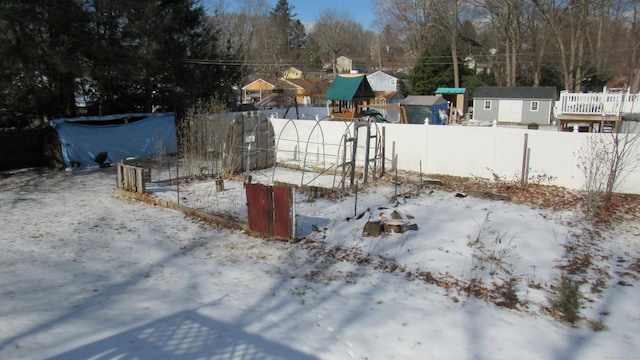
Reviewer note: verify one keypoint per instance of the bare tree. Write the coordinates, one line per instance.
(389, 51)
(240, 28)
(507, 19)
(536, 43)
(417, 21)
(634, 37)
(409, 20)
(338, 35)
(568, 21)
(624, 159)
(604, 161)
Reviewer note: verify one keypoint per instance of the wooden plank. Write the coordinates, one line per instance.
(282, 212)
(119, 176)
(221, 219)
(258, 208)
(139, 179)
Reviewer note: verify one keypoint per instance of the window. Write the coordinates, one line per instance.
(393, 82)
(487, 104)
(535, 105)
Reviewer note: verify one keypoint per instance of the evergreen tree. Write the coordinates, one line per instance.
(433, 69)
(41, 56)
(288, 34)
(123, 55)
(144, 52)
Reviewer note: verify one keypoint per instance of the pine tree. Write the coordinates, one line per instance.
(289, 35)
(41, 56)
(433, 69)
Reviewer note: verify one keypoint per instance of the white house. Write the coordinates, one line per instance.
(344, 65)
(381, 81)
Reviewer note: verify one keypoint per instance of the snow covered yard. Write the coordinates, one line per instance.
(87, 275)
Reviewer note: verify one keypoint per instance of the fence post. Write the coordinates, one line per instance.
(119, 169)
(177, 183)
(523, 180)
(139, 180)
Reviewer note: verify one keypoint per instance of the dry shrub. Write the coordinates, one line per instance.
(202, 134)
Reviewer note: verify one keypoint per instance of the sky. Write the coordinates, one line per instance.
(360, 11)
(88, 275)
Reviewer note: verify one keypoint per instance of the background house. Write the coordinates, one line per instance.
(256, 90)
(387, 90)
(520, 104)
(381, 81)
(344, 65)
(307, 91)
(297, 73)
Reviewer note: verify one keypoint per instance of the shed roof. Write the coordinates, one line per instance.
(349, 87)
(516, 92)
(309, 84)
(389, 94)
(423, 100)
(445, 90)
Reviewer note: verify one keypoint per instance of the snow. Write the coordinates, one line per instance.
(88, 275)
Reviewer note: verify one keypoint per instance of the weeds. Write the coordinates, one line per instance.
(565, 299)
(202, 140)
(507, 291)
(517, 180)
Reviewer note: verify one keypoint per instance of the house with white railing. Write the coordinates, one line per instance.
(598, 112)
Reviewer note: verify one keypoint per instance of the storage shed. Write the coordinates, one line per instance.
(519, 104)
(458, 102)
(422, 109)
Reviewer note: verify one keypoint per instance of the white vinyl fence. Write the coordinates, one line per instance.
(453, 150)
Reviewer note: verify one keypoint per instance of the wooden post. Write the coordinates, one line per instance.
(119, 176)
(140, 180)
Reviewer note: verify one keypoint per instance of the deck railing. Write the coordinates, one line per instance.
(604, 103)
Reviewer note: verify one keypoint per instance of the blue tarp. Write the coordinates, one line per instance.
(83, 143)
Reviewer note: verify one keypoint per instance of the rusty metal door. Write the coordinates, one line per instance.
(269, 210)
(282, 212)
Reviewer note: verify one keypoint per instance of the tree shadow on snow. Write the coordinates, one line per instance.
(306, 225)
(184, 335)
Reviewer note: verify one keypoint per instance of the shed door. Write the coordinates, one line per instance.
(510, 111)
(269, 210)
